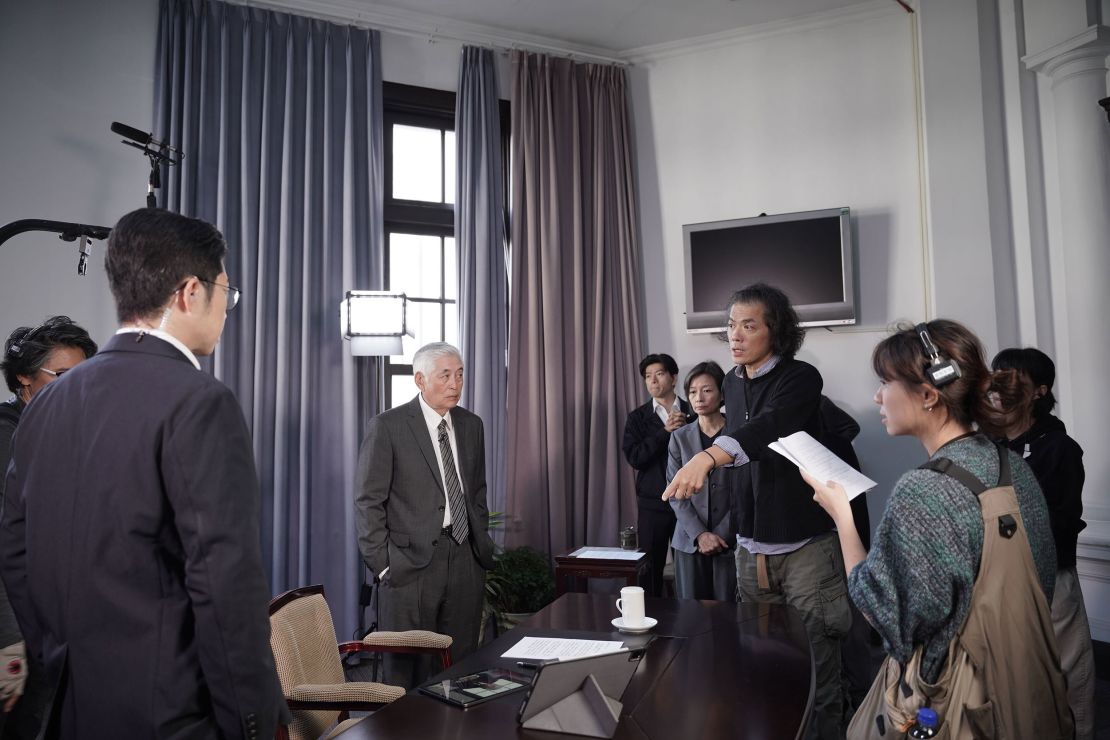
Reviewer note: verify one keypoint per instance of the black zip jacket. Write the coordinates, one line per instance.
(771, 503)
(1057, 462)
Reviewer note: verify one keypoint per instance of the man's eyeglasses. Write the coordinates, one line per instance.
(55, 373)
(232, 293)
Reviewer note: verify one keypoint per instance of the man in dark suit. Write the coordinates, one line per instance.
(130, 536)
(423, 524)
(647, 434)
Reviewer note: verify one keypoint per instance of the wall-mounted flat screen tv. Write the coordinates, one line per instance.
(809, 255)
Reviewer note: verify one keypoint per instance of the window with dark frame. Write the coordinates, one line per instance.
(419, 213)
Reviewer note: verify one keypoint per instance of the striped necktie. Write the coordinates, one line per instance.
(460, 527)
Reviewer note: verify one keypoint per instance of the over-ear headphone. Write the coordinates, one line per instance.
(940, 371)
(16, 349)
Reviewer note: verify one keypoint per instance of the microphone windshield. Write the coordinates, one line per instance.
(130, 133)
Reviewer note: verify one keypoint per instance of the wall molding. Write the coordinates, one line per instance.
(433, 28)
(1093, 41)
(864, 11)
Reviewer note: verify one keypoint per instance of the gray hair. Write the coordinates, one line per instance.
(424, 361)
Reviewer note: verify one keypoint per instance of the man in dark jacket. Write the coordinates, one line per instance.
(647, 434)
(130, 535)
(787, 551)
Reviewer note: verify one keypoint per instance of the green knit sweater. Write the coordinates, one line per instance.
(915, 584)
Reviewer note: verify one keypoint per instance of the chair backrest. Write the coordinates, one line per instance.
(302, 637)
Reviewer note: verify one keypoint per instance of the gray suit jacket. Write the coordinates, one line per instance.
(693, 513)
(400, 501)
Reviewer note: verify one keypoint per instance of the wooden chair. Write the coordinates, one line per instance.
(310, 668)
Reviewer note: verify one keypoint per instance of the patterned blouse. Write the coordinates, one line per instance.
(915, 584)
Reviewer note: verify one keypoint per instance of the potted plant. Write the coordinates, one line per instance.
(519, 585)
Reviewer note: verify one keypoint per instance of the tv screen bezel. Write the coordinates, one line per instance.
(840, 313)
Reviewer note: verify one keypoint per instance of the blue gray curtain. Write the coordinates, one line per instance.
(280, 119)
(574, 324)
(480, 240)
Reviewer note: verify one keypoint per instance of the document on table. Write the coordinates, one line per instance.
(817, 460)
(606, 553)
(555, 648)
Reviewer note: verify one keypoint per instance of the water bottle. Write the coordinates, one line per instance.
(927, 724)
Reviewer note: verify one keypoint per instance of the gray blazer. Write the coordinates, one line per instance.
(400, 500)
(693, 513)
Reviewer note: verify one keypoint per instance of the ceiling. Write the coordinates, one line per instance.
(606, 25)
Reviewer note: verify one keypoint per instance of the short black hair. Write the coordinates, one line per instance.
(1038, 367)
(665, 360)
(781, 318)
(27, 348)
(710, 368)
(151, 251)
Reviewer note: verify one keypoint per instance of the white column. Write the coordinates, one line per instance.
(1077, 70)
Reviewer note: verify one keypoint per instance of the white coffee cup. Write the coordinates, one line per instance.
(631, 606)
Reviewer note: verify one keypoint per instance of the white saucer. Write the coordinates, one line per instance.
(645, 627)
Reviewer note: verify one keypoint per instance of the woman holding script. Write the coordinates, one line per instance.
(916, 584)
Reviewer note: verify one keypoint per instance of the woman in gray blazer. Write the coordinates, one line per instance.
(703, 561)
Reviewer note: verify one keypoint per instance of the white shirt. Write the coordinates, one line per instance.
(165, 336)
(432, 419)
(662, 412)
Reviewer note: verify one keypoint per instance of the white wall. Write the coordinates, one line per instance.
(70, 68)
(818, 118)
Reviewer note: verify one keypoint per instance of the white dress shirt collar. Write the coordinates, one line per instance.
(165, 336)
(432, 417)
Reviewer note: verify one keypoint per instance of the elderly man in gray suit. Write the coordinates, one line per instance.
(423, 524)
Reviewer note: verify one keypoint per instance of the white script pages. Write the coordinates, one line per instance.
(817, 460)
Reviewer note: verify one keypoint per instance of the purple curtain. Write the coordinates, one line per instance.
(280, 117)
(481, 245)
(574, 326)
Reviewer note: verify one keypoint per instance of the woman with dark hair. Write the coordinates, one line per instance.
(1057, 460)
(703, 561)
(786, 552)
(33, 358)
(920, 584)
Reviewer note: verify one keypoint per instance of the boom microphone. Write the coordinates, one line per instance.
(135, 134)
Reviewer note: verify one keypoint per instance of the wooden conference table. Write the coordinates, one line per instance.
(714, 670)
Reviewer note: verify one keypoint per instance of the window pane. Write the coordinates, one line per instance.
(450, 270)
(414, 265)
(449, 167)
(403, 390)
(426, 322)
(417, 163)
(451, 324)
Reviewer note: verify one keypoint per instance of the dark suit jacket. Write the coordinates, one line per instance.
(645, 447)
(130, 548)
(400, 500)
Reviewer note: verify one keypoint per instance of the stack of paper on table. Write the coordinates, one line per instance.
(556, 648)
(606, 553)
(817, 460)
